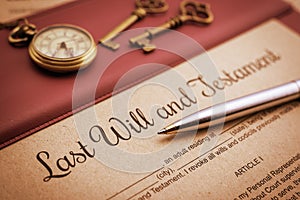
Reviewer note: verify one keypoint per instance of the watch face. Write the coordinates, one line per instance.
(62, 42)
(62, 48)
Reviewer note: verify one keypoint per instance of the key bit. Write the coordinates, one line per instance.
(192, 11)
(143, 7)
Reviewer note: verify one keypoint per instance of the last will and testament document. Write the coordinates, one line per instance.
(111, 150)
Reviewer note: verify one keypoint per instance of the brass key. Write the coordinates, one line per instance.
(189, 11)
(143, 8)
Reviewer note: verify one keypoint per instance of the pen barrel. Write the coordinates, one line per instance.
(262, 100)
(236, 108)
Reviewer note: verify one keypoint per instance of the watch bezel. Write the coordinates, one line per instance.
(63, 64)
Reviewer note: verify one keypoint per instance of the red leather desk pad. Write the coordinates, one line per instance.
(32, 99)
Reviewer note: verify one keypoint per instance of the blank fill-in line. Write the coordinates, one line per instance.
(143, 190)
(204, 154)
(134, 184)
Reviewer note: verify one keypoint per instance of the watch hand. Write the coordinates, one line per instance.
(70, 51)
(63, 46)
(59, 46)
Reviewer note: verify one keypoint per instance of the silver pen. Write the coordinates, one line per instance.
(233, 109)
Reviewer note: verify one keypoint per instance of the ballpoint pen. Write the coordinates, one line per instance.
(233, 109)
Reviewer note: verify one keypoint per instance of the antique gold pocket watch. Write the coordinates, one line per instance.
(58, 48)
(62, 48)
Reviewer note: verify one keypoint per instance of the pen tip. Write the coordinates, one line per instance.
(162, 131)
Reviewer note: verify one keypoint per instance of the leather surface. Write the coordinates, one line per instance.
(32, 99)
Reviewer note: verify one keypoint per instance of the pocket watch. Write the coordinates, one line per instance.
(62, 48)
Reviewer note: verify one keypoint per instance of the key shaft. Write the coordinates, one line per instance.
(151, 33)
(136, 15)
(143, 8)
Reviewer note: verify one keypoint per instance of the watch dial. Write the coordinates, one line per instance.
(63, 42)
